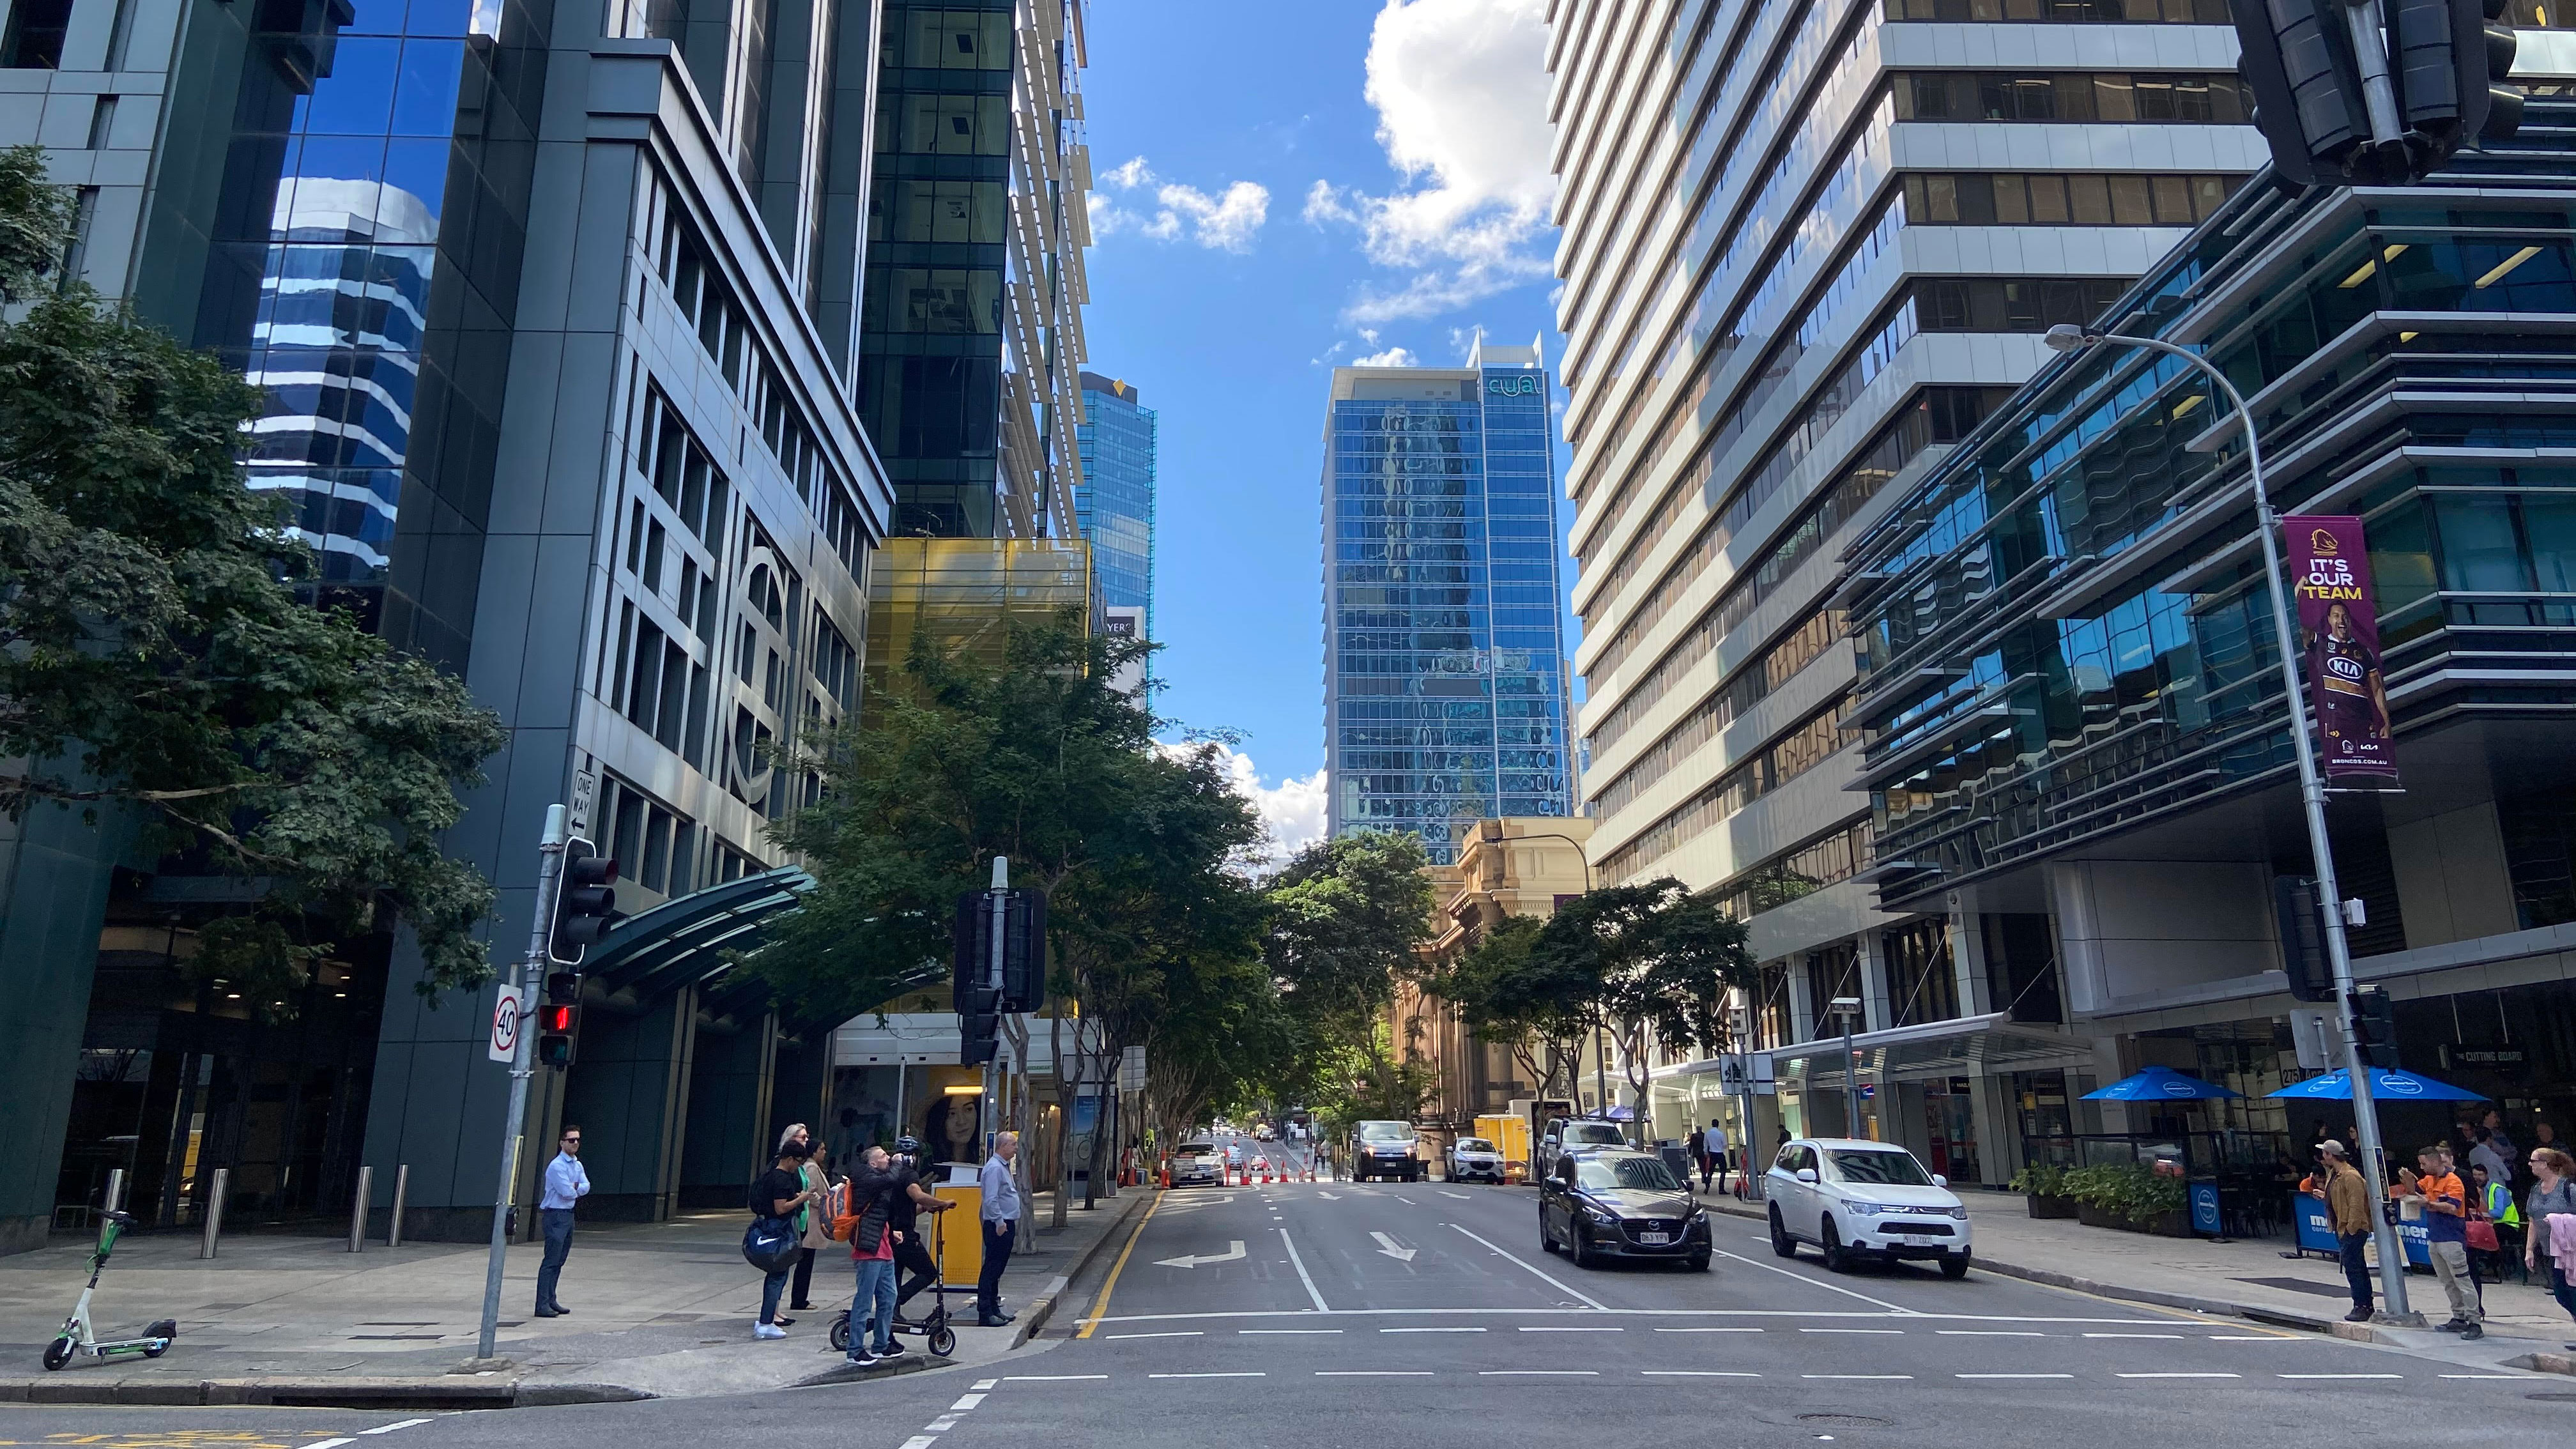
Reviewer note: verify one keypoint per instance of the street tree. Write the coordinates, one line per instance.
(1644, 963)
(1346, 916)
(167, 663)
(1501, 1003)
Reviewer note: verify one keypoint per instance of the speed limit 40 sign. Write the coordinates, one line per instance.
(504, 1046)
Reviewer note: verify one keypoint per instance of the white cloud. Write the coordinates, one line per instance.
(1460, 88)
(1227, 221)
(1292, 811)
(1391, 357)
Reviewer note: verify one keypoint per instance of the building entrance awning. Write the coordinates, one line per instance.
(1966, 1047)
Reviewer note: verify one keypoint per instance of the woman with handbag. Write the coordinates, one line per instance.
(2490, 1205)
(2549, 1224)
(770, 1244)
(814, 1223)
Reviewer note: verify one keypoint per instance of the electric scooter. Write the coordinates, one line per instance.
(80, 1336)
(932, 1329)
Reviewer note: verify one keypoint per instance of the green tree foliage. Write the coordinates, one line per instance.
(1345, 918)
(1499, 1000)
(156, 659)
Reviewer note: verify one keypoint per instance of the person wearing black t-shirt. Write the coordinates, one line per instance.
(911, 1254)
(779, 1193)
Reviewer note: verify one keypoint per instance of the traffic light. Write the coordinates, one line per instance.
(585, 906)
(1023, 947)
(2374, 1027)
(2303, 942)
(2435, 70)
(559, 1019)
(979, 1025)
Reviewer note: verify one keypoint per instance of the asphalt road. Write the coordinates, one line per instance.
(1425, 1315)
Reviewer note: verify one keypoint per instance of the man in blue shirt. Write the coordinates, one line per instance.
(1001, 1228)
(565, 1185)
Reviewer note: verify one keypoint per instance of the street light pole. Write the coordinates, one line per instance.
(2066, 337)
(1845, 1007)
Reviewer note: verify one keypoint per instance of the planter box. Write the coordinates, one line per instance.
(2051, 1207)
(2175, 1224)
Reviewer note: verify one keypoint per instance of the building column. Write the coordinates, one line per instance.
(1802, 1002)
(1877, 1013)
(1990, 1110)
(1968, 964)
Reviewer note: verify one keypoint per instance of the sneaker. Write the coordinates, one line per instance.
(2453, 1326)
(893, 1350)
(767, 1330)
(2470, 1332)
(784, 1321)
(2358, 1315)
(863, 1358)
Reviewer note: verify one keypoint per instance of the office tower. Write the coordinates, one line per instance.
(553, 311)
(1115, 504)
(971, 338)
(1807, 247)
(1444, 673)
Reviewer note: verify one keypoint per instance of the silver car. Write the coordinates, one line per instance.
(1475, 1158)
(1198, 1161)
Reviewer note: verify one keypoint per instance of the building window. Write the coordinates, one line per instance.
(35, 37)
(1959, 95)
(1943, 198)
(2074, 12)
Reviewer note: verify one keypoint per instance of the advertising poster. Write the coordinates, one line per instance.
(2339, 635)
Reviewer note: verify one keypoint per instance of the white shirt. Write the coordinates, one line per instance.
(1716, 1138)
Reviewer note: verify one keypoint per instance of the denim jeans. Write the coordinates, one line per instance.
(771, 1288)
(872, 1311)
(2356, 1267)
(557, 1223)
(2560, 1287)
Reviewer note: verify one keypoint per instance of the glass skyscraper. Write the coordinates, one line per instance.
(1444, 676)
(1115, 504)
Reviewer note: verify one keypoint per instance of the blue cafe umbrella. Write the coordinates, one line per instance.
(2159, 1084)
(2387, 1084)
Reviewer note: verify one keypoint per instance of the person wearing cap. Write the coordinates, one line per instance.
(2347, 1198)
(911, 1254)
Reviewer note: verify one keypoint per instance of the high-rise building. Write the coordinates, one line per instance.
(971, 338)
(554, 315)
(1444, 654)
(1115, 504)
(1808, 245)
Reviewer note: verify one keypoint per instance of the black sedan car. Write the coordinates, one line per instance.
(1620, 1204)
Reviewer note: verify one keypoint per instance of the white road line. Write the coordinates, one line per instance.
(1282, 1332)
(1461, 1196)
(2012, 1376)
(987, 1383)
(1709, 1330)
(1856, 1376)
(1694, 1374)
(2491, 1376)
(1538, 1373)
(1252, 1374)
(1173, 1333)
(2254, 1338)
(965, 1402)
(920, 1441)
(940, 1425)
(1991, 1332)
(1829, 1314)
(1432, 1330)
(1813, 1283)
(1049, 1378)
(1557, 1328)
(1534, 1271)
(2338, 1376)
(2133, 1335)
(1400, 1197)
(2179, 1376)
(1302, 1275)
(389, 1428)
(1372, 1373)
(330, 1443)
(1851, 1330)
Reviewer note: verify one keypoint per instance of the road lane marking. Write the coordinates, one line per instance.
(1101, 1306)
(965, 1402)
(1408, 1202)
(1695, 1374)
(2492, 1376)
(1534, 1271)
(1885, 1377)
(1560, 1328)
(1233, 1254)
(1390, 1248)
(2012, 1376)
(1049, 1378)
(1990, 1332)
(1238, 1374)
(1372, 1373)
(1851, 1330)
(389, 1428)
(940, 1425)
(1248, 1332)
(986, 1383)
(1461, 1196)
(1709, 1330)
(1828, 1314)
(2133, 1335)
(1169, 1333)
(1302, 1275)
(1428, 1330)
(920, 1441)
(1814, 1283)
(1538, 1373)
(2337, 1376)
(2255, 1338)
(2178, 1376)
(331, 1443)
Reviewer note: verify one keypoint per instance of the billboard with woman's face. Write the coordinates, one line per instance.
(2339, 639)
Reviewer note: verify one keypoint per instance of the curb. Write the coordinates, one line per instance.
(1041, 1311)
(850, 1373)
(391, 1395)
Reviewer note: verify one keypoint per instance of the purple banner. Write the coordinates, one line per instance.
(2339, 635)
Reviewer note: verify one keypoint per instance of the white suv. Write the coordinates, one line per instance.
(1850, 1197)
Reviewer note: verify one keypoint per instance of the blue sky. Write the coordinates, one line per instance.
(1280, 188)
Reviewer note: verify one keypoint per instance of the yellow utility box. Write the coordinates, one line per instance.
(957, 1235)
(1510, 1136)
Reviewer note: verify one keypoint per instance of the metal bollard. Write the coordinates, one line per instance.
(358, 1210)
(222, 1188)
(115, 1189)
(402, 1189)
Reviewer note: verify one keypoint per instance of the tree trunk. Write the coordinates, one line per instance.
(1064, 1105)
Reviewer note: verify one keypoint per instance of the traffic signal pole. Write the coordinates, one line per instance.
(993, 981)
(514, 1123)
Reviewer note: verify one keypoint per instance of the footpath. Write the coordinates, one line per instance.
(2246, 1278)
(659, 1310)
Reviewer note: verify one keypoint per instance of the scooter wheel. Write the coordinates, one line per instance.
(156, 1350)
(943, 1341)
(58, 1353)
(841, 1334)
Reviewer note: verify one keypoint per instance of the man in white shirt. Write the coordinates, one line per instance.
(1712, 1155)
(565, 1185)
(1001, 1228)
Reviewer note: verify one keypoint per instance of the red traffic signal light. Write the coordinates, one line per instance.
(585, 904)
(557, 1020)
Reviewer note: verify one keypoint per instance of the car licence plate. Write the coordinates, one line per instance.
(1920, 1240)
(1654, 1238)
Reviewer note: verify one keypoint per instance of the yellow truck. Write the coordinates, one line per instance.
(1510, 1135)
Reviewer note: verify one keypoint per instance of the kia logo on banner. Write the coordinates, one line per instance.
(2339, 640)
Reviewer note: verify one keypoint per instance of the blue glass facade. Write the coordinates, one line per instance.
(1115, 502)
(1444, 677)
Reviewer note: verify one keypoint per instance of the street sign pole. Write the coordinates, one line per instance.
(514, 1123)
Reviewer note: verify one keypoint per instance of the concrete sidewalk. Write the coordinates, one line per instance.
(2245, 1278)
(659, 1310)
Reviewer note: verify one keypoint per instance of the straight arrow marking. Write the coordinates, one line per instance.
(1387, 1246)
(1233, 1252)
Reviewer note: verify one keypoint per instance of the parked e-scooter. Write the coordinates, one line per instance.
(80, 1336)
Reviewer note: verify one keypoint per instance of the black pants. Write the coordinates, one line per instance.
(998, 1240)
(912, 1259)
(798, 1298)
(2356, 1268)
